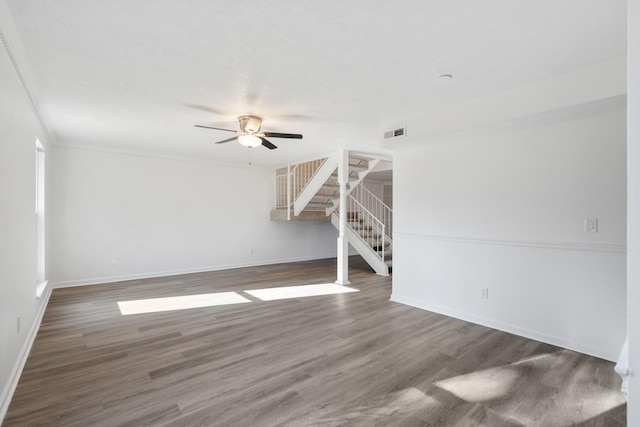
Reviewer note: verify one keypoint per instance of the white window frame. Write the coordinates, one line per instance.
(41, 281)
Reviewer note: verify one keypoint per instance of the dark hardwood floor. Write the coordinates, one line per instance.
(352, 359)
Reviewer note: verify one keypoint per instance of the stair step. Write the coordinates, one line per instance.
(366, 235)
(358, 223)
(353, 181)
(333, 185)
(358, 227)
(324, 198)
(377, 246)
(316, 216)
(318, 205)
(332, 182)
(359, 158)
(329, 192)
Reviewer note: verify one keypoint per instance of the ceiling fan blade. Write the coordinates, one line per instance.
(211, 127)
(283, 135)
(227, 140)
(208, 109)
(268, 144)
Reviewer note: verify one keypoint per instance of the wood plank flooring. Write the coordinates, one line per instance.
(353, 359)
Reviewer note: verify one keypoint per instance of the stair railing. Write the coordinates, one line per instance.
(378, 209)
(302, 173)
(365, 224)
(283, 190)
(291, 181)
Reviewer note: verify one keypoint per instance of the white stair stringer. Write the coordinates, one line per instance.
(362, 247)
(313, 186)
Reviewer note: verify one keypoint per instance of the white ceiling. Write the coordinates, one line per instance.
(136, 75)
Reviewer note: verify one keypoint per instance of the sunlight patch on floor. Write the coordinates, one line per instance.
(284, 292)
(407, 404)
(481, 386)
(494, 386)
(602, 400)
(154, 305)
(411, 400)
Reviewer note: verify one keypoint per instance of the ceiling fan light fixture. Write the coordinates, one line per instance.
(250, 124)
(249, 140)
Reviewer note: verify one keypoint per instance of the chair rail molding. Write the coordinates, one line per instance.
(551, 244)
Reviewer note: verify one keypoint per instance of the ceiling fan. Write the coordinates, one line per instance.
(250, 135)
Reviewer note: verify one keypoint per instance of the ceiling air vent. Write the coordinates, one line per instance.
(395, 133)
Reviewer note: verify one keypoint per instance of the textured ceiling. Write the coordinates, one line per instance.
(136, 75)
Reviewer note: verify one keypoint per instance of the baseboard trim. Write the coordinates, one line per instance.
(176, 272)
(506, 327)
(14, 376)
(572, 246)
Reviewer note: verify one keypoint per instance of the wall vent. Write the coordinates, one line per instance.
(395, 133)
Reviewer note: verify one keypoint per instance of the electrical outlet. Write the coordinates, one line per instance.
(484, 293)
(114, 261)
(18, 324)
(591, 225)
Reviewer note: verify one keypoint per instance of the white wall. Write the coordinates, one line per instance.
(387, 195)
(505, 212)
(633, 407)
(158, 216)
(19, 126)
(376, 187)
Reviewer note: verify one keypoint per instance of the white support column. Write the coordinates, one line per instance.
(343, 243)
(633, 212)
(289, 191)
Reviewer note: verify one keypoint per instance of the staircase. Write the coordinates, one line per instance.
(310, 191)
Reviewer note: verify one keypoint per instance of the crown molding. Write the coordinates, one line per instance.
(159, 156)
(15, 52)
